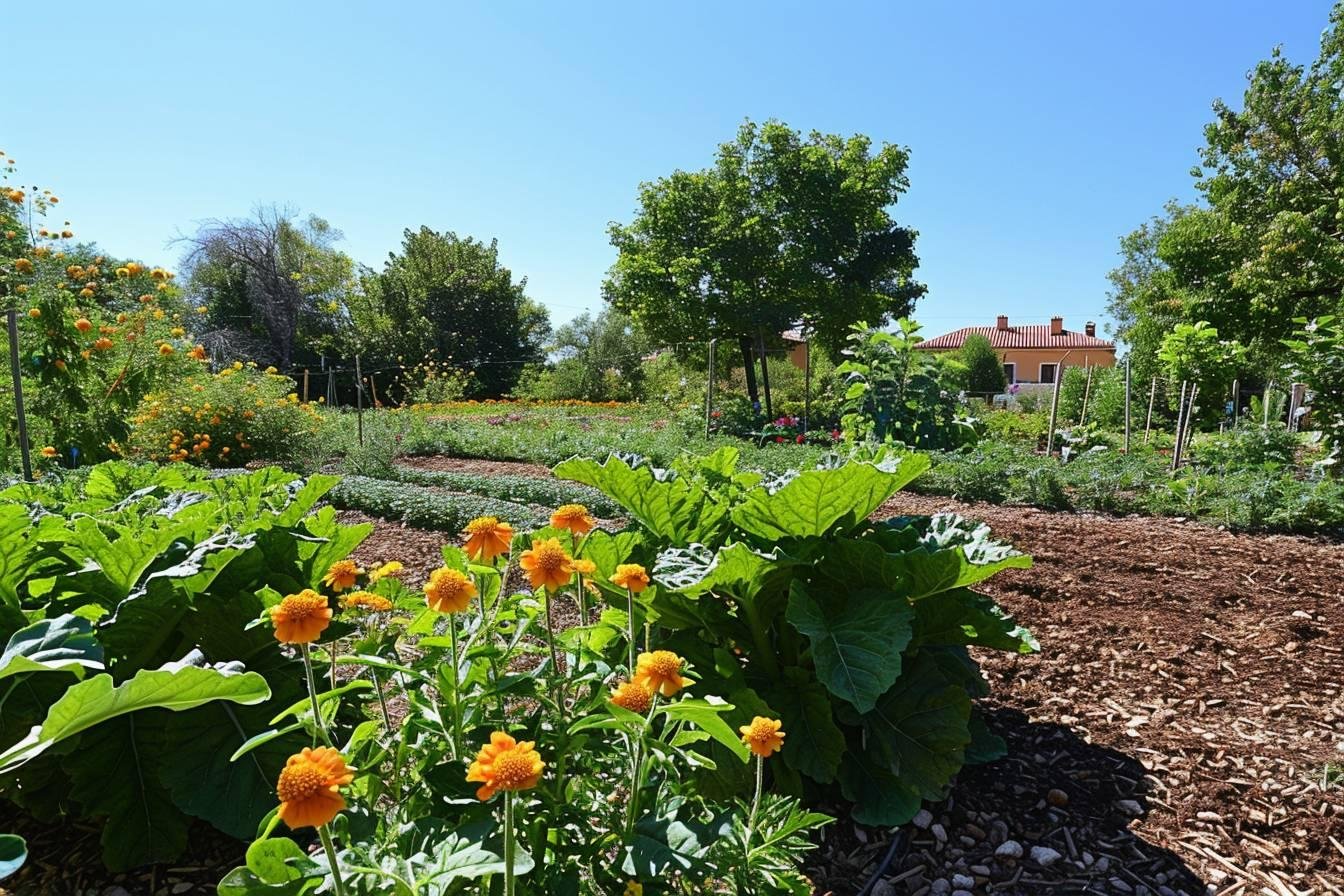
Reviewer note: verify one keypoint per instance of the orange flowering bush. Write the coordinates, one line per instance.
(94, 329)
(224, 419)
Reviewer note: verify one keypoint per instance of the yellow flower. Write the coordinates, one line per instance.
(165, 349)
(547, 564)
(390, 568)
(342, 575)
(487, 538)
(583, 566)
(300, 618)
(633, 888)
(763, 736)
(634, 697)
(86, 293)
(364, 600)
(505, 764)
(632, 576)
(574, 517)
(23, 266)
(309, 787)
(49, 451)
(449, 590)
(660, 672)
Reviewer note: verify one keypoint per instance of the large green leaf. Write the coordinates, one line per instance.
(879, 797)
(666, 843)
(856, 639)
(948, 551)
(813, 743)
(176, 686)
(817, 502)
(63, 644)
(275, 866)
(708, 717)
(676, 508)
(964, 617)
(919, 729)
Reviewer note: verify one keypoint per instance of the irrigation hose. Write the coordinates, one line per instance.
(897, 844)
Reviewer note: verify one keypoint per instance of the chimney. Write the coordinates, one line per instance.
(1091, 328)
(1056, 326)
(1003, 321)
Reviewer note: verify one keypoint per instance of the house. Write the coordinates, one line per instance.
(1033, 353)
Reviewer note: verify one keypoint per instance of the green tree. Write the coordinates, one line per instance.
(1316, 356)
(1193, 353)
(782, 228)
(984, 368)
(449, 297)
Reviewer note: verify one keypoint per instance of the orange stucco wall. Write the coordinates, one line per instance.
(1029, 360)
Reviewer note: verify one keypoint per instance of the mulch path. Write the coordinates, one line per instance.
(1170, 738)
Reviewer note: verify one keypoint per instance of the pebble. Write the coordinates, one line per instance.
(962, 893)
(974, 830)
(923, 818)
(1045, 856)
(939, 833)
(1118, 884)
(962, 881)
(1057, 797)
(1009, 849)
(884, 888)
(980, 870)
(1129, 807)
(182, 887)
(940, 887)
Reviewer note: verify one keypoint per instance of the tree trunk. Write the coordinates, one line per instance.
(765, 375)
(749, 365)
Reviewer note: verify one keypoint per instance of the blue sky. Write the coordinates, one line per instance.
(1039, 132)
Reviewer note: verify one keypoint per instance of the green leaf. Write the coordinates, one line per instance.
(275, 867)
(856, 640)
(985, 745)
(964, 617)
(13, 853)
(879, 797)
(815, 502)
(667, 843)
(707, 717)
(813, 743)
(943, 552)
(919, 729)
(673, 507)
(175, 687)
(63, 644)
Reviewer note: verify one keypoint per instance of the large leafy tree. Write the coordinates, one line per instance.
(449, 297)
(782, 228)
(984, 368)
(1267, 245)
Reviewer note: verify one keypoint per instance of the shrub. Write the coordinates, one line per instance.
(1250, 445)
(519, 489)
(225, 419)
(423, 508)
(854, 631)
(985, 377)
(131, 594)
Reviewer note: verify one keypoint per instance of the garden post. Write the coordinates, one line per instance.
(305, 385)
(1269, 386)
(1054, 410)
(359, 401)
(13, 321)
(709, 385)
(1148, 421)
(765, 375)
(1180, 416)
(1127, 405)
(1236, 401)
(1190, 419)
(749, 368)
(373, 392)
(807, 379)
(1087, 392)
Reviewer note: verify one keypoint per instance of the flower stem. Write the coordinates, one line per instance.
(756, 800)
(319, 726)
(457, 688)
(338, 885)
(508, 843)
(630, 625)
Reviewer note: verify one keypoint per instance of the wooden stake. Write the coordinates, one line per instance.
(1236, 400)
(359, 401)
(1190, 419)
(24, 456)
(1087, 391)
(1148, 422)
(1054, 410)
(807, 378)
(709, 386)
(1180, 416)
(373, 390)
(305, 385)
(1126, 405)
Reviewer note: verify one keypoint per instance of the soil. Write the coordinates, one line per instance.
(1172, 736)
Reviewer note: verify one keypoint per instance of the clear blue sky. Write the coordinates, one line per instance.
(1040, 132)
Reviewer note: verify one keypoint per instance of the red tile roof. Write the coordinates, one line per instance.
(1031, 336)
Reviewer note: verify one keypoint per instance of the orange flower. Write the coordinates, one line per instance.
(300, 618)
(83, 325)
(449, 590)
(23, 266)
(102, 343)
(547, 564)
(583, 566)
(632, 696)
(165, 349)
(50, 452)
(309, 787)
(632, 576)
(505, 764)
(34, 313)
(763, 736)
(660, 672)
(574, 517)
(364, 600)
(197, 353)
(487, 538)
(342, 575)
(391, 568)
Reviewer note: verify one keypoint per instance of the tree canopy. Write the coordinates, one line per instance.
(782, 228)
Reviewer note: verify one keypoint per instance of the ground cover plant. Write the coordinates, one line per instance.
(125, 593)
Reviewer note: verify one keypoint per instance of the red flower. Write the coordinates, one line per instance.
(779, 440)
(800, 438)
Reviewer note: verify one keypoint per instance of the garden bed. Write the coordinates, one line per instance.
(1173, 732)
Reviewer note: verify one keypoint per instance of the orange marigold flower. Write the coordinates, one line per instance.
(83, 325)
(165, 349)
(300, 618)
(197, 353)
(391, 568)
(342, 575)
(574, 517)
(34, 313)
(15, 196)
(23, 266)
(547, 564)
(505, 764)
(309, 787)
(632, 696)
(134, 269)
(86, 293)
(660, 672)
(487, 538)
(364, 600)
(123, 273)
(763, 736)
(584, 566)
(632, 576)
(449, 590)
(67, 234)
(50, 452)
(102, 343)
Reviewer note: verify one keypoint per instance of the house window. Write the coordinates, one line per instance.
(1010, 373)
(1048, 372)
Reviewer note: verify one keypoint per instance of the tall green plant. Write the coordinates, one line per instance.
(853, 631)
